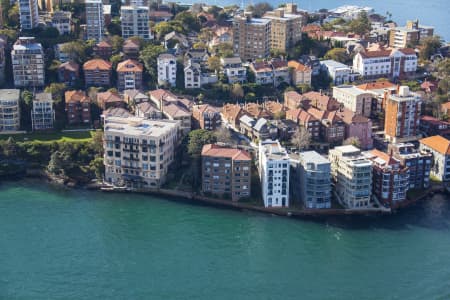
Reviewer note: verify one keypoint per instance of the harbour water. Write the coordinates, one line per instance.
(433, 12)
(59, 243)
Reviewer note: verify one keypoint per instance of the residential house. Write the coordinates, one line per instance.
(263, 130)
(131, 48)
(109, 99)
(103, 50)
(293, 100)
(439, 147)
(300, 74)
(129, 75)
(62, 21)
(234, 70)
(133, 97)
(60, 54)
(310, 180)
(352, 177)
(147, 111)
(390, 180)
(339, 72)
(205, 116)
(174, 38)
(138, 152)
(42, 112)
(274, 173)
(281, 73)
(256, 111)
(263, 72)
(246, 124)
(69, 73)
(9, 110)
(97, 72)
(78, 107)
(226, 172)
(231, 114)
(312, 62)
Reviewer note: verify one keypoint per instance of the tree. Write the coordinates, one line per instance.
(360, 25)
(97, 166)
(225, 50)
(354, 141)
(13, 15)
(116, 43)
(57, 90)
(214, 64)
(114, 28)
(301, 138)
(199, 46)
(149, 56)
(188, 21)
(259, 9)
(197, 139)
(237, 92)
(429, 46)
(115, 59)
(337, 54)
(76, 50)
(223, 135)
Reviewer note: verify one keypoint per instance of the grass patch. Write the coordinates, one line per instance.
(50, 137)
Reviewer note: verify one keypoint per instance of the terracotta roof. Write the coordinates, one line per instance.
(273, 107)
(130, 65)
(255, 110)
(117, 112)
(278, 64)
(438, 143)
(384, 156)
(108, 96)
(260, 67)
(231, 111)
(129, 43)
(378, 53)
(146, 107)
(445, 106)
(70, 66)
(160, 13)
(104, 44)
(76, 96)
(175, 111)
(206, 108)
(97, 63)
(377, 85)
(407, 51)
(321, 101)
(350, 117)
(298, 66)
(216, 151)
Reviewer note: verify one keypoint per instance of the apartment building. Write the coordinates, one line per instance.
(42, 112)
(226, 172)
(28, 14)
(68, 73)
(274, 173)
(110, 99)
(234, 70)
(62, 20)
(402, 118)
(251, 37)
(103, 49)
(390, 180)
(97, 72)
(304, 119)
(205, 116)
(78, 107)
(353, 98)
(9, 110)
(300, 74)
(28, 63)
(439, 147)
(418, 163)
(352, 177)
(311, 180)
(138, 152)
(129, 75)
(135, 22)
(167, 69)
(285, 30)
(95, 20)
(339, 72)
(410, 35)
(391, 63)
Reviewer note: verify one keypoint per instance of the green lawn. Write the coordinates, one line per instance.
(79, 136)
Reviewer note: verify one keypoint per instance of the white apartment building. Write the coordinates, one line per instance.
(9, 110)
(274, 173)
(138, 152)
(29, 14)
(233, 68)
(386, 63)
(354, 98)
(135, 22)
(167, 69)
(352, 176)
(311, 179)
(28, 63)
(42, 113)
(440, 148)
(62, 20)
(339, 72)
(95, 20)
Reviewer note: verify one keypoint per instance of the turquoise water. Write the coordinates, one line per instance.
(72, 244)
(433, 12)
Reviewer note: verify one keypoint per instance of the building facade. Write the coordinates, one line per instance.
(352, 177)
(311, 180)
(78, 107)
(138, 152)
(353, 98)
(402, 118)
(167, 69)
(28, 14)
(97, 72)
(205, 116)
(62, 20)
(9, 110)
(274, 173)
(251, 37)
(410, 35)
(234, 70)
(129, 75)
(42, 113)
(439, 147)
(285, 29)
(226, 172)
(300, 74)
(135, 22)
(95, 20)
(28, 63)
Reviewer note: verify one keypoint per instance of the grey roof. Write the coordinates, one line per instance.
(117, 112)
(313, 157)
(247, 120)
(9, 94)
(260, 124)
(146, 107)
(166, 56)
(231, 60)
(43, 97)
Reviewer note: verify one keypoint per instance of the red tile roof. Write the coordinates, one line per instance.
(97, 64)
(130, 65)
(212, 150)
(76, 96)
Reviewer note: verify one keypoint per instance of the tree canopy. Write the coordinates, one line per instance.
(197, 139)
